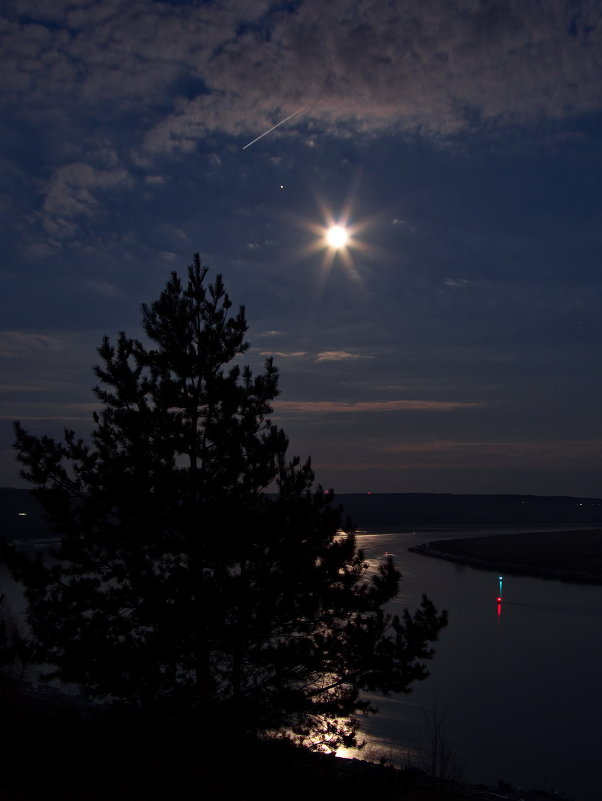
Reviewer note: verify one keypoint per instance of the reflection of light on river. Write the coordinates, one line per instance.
(377, 749)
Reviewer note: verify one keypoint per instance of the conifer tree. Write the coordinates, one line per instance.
(179, 580)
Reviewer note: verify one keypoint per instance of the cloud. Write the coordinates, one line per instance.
(72, 193)
(127, 52)
(430, 66)
(18, 343)
(33, 385)
(344, 407)
(56, 412)
(471, 452)
(339, 356)
(423, 67)
(456, 282)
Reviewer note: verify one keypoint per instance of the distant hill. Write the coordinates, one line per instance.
(427, 509)
(21, 516)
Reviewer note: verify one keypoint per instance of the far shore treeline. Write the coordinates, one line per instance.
(21, 515)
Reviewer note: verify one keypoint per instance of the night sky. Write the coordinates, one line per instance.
(453, 346)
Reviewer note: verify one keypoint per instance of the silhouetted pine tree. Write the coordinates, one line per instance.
(178, 579)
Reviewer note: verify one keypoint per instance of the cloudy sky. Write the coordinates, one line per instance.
(455, 346)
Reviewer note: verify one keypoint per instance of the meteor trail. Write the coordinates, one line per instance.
(273, 127)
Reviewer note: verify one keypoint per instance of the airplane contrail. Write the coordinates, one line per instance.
(273, 127)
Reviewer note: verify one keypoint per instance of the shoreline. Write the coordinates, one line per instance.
(573, 556)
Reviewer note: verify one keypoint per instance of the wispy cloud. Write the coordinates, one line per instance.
(340, 356)
(321, 356)
(18, 343)
(456, 282)
(532, 451)
(72, 192)
(271, 333)
(343, 407)
(61, 412)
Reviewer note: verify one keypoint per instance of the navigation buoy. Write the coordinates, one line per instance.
(499, 598)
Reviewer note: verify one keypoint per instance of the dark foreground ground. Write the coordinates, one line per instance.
(574, 556)
(56, 752)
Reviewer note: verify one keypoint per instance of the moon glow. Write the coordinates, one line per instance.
(337, 240)
(337, 237)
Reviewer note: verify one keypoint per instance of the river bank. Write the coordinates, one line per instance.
(54, 746)
(570, 556)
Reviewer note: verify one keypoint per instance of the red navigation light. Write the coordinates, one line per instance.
(499, 599)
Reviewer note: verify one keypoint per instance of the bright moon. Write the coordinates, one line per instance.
(337, 236)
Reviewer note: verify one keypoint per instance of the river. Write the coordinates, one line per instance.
(519, 686)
